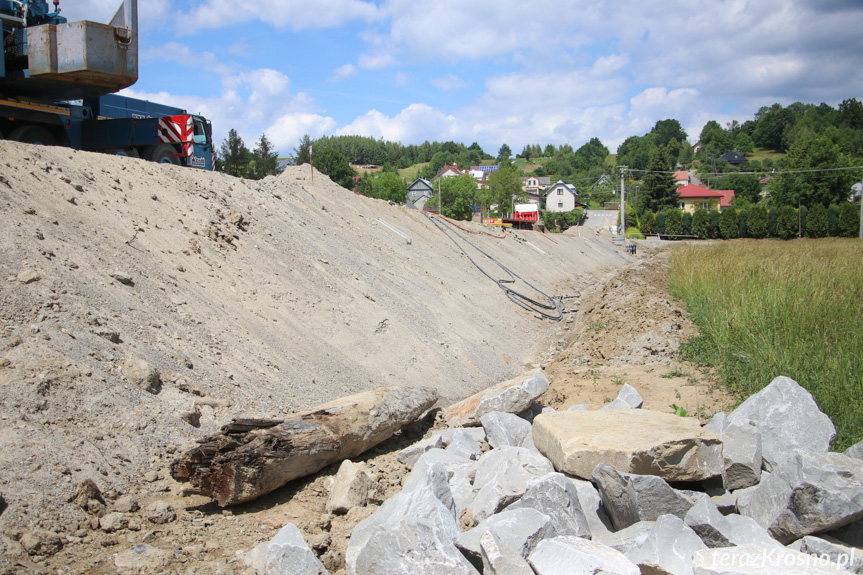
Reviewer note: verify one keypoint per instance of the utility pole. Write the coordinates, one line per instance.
(623, 201)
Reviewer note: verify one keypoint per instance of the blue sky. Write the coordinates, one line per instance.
(514, 72)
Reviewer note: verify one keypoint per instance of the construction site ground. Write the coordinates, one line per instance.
(261, 299)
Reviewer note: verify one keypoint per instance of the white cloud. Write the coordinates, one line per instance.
(449, 83)
(344, 72)
(376, 61)
(417, 122)
(402, 79)
(150, 13)
(291, 14)
(184, 55)
(287, 131)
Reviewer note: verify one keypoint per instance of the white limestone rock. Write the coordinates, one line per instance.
(288, 554)
(576, 556)
(789, 420)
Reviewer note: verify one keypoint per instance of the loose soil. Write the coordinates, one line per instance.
(260, 299)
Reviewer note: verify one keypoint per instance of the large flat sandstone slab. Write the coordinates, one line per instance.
(629, 440)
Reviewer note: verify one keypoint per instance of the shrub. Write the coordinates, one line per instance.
(728, 224)
(634, 233)
(659, 223)
(674, 222)
(756, 223)
(786, 222)
(687, 223)
(849, 220)
(646, 221)
(833, 219)
(742, 230)
(816, 224)
(714, 223)
(701, 224)
(802, 214)
(772, 217)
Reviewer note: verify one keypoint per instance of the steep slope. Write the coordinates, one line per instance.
(249, 298)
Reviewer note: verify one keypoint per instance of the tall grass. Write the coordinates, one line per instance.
(768, 308)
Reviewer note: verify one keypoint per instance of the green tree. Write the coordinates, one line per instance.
(713, 223)
(786, 222)
(674, 222)
(849, 220)
(235, 155)
(389, 186)
(302, 152)
(458, 196)
(658, 190)
(833, 220)
(701, 224)
(728, 227)
(504, 188)
(772, 221)
(667, 130)
(645, 222)
(686, 154)
(821, 152)
(742, 229)
(659, 222)
(266, 158)
(745, 186)
(687, 223)
(364, 186)
(504, 153)
(714, 139)
(743, 143)
(816, 224)
(756, 223)
(335, 165)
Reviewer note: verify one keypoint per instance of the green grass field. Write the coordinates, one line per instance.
(761, 154)
(767, 308)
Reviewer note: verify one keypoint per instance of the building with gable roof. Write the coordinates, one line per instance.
(449, 172)
(419, 192)
(694, 197)
(561, 197)
(534, 187)
(734, 158)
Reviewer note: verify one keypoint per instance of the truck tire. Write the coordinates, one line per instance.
(161, 154)
(32, 135)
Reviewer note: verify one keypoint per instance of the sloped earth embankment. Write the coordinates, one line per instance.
(142, 306)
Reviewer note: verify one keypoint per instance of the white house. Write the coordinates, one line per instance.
(561, 197)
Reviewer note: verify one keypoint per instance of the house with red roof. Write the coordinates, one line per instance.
(681, 178)
(694, 197)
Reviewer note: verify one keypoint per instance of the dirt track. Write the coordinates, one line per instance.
(251, 299)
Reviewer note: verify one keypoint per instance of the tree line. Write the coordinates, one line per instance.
(234, 158)
(784, 222)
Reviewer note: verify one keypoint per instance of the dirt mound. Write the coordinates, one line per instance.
(629, 330)
(144, 305)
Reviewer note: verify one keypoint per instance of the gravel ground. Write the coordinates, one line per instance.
(142, 306)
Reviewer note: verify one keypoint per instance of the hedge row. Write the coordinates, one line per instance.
(783, 222)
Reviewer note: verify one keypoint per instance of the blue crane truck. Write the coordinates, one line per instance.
(58, 81)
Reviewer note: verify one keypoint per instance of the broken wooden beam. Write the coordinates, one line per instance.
(250, 458)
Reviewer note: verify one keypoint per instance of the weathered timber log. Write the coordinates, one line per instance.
(250, 458)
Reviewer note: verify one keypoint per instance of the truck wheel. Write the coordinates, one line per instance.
(161, 154)
(32, 135)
